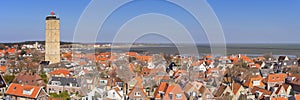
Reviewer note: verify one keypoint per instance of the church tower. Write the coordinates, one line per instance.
(52, 45)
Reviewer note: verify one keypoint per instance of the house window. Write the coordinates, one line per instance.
(256, 83)
(102, 81)
(207, 96)
(178, 96)
(137, 94)
(171, 96)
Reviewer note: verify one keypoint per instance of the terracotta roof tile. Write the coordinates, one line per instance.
(138, 87)
(161, 88)
(263, 91)
(134, 54)
(249, 81)
(280, 98)
(60, 71)
(18, 90)
(276, 77)
(208, 56)
(2, 68)
(297, 96)
(236, 87)
(220, 90)
(172, 90)
(11, 50)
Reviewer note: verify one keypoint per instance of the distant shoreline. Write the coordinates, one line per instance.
(199, 44)
(276, 49)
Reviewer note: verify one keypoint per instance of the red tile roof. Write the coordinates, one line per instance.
(276, 77)
(236, 87)
(144, 58)
(280, 98)
(138, 87)
(220, 90)
(249, 82)
(172, 90)
(208, 56)
(145, 71)
(18, 90)
(2, 68)
(134, 54)
(179, 72)
(256, 66)
(263, 91)
(297, 96)
(11, 50)
(60, 71)
(161, 88)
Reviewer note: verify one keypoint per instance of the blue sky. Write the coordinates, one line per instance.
(243, 21)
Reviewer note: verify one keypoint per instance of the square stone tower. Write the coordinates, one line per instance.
(52, 45)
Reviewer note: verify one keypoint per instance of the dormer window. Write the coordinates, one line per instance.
(28, 92)
(178, 96)
(171, 96)
(256, 83)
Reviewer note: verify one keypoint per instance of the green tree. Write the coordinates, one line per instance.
(243, 97)
(9, 78)
(44, 77)
(23, 52)
(63, 95)
(292, 92)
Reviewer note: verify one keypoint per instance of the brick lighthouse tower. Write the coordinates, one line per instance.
(52, 45)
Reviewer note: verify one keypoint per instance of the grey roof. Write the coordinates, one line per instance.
(266, 72)
(65, 81)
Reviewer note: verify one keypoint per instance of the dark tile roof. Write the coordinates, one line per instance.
(66, 81)
(29, 78)
(281, 58)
